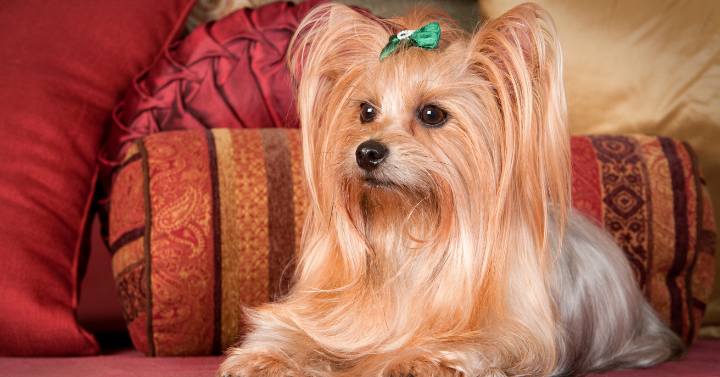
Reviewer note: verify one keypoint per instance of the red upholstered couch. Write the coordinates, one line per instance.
(99, 309)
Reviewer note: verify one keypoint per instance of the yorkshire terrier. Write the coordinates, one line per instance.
(440, 239)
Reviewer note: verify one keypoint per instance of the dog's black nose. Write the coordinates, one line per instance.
(370, 154)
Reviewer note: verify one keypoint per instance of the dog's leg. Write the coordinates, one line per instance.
(438, 358)
(432, 367)
(421, 367)
(275, 348)
(243, 362)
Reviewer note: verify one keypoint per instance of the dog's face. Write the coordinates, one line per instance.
(408, 129)
(455, 135)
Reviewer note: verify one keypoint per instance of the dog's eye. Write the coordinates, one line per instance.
(367, 113)
(432, 116)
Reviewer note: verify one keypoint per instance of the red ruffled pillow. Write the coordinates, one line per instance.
(65, 64)
(230, 73)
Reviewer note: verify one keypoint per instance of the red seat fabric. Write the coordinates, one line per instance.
(703, 360)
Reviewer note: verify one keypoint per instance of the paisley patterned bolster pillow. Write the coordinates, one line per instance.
(203, 223)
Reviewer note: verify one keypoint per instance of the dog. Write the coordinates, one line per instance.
(440, 239)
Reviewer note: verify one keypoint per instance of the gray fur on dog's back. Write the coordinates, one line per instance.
(604, 319)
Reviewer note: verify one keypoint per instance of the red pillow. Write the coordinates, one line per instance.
(64, 66)
(230, 73)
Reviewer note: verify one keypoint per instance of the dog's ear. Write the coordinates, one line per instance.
(329, 42)
(519, 56)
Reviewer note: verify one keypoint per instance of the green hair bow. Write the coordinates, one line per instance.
(427, 37)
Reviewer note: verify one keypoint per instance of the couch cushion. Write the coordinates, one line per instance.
(204, 223)
(202, 277)
(64, 66)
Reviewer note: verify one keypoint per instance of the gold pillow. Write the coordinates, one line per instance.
(643, 66)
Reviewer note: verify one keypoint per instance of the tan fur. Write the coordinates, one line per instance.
(448, 270)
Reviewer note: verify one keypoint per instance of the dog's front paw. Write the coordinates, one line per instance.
(421, 368)
(241, 364)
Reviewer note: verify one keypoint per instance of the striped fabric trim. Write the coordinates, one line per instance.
(244, 217)
(217, 246)
(623, 199)
(147, 246)
(280, 211)
(126, 238)
(691, 300)
(298, 184)
(274, 202)
(127, 161)
(650, 232)
(681, 233)
(661, 223)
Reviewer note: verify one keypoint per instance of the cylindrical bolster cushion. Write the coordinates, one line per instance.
(205, 223)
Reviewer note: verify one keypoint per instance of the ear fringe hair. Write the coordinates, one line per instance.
(520, 55)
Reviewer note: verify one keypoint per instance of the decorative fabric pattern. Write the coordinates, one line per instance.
(626, 213)
(129, 196)
(222, 214)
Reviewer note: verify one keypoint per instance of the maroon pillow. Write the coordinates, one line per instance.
(230, 73)
(64, 66)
